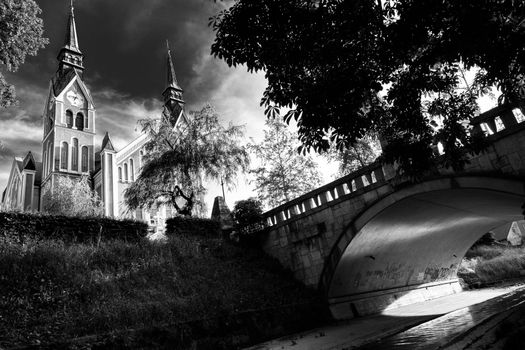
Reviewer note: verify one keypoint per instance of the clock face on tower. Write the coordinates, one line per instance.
(75, 98)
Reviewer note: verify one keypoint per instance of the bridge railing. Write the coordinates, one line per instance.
(489, 123)
(498, 119)
(347, 186)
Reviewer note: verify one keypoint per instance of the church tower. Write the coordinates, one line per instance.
(173, 100)
(69, 115)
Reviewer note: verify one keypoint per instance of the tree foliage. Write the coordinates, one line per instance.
(246, 212)
(347, 68)
(21, 32)
(283, 173)
(72, 197)
(358, 155)
(179, 160)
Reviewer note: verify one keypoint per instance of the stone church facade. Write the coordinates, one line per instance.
(68, 144)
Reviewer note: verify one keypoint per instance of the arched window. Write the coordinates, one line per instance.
(126, 172)
(141, 158)
(79, 121)
(69, 118)
(85, 165)
(50, 158)
(64, 153)
(120, 174)
(86, 122)
(44, 162)
(131, 170)
(74, 155)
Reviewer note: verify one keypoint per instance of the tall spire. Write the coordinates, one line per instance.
(70, 54)
(172, 78)
(173, 100)
(71, 41)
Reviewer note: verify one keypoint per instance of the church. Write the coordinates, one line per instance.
(68, 143)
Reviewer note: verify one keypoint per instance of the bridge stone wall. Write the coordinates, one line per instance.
(304, 233)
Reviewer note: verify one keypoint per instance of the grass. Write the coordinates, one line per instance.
(51, 291)
(492, 263)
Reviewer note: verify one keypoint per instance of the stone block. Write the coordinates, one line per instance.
(370, 196)
(316, 255)
(306, 262)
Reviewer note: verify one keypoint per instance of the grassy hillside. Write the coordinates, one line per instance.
(52, 292)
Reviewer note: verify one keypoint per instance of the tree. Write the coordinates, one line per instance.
(283, 173)
(179, 160)
(21, 32)
(348, 68)
(71, 197)
(356, 156)
(247, 212)
(248, 220)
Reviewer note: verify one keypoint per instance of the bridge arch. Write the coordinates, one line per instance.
(407, 246)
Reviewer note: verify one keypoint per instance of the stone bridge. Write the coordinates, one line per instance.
(373, 241)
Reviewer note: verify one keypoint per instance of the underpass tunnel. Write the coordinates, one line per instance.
(411, 250)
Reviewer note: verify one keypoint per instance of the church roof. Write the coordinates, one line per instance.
(107, 144)
(171, 77)
(19, 162)
(71, 41)
(29, 163)
(62, 79)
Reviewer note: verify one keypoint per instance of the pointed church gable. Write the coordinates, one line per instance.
(62, 81)
(181, 119)
(14, 177)
(86, 93)
(107, 144)
(75, 92)
(29, 162)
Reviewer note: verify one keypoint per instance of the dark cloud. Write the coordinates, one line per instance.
(124, 41)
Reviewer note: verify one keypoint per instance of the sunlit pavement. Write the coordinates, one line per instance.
(365, 330)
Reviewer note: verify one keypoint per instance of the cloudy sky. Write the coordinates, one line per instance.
(124, 46)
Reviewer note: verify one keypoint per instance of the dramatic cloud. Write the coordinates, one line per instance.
(124, 43)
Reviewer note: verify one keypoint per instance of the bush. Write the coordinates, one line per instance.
(248, 219)
(71, 197)
(18, 228)
(248, 211)
(182, 225)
